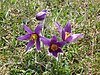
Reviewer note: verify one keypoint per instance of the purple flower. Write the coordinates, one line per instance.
(54, 46)
(33, 37)
(66, 33)
(41, 15)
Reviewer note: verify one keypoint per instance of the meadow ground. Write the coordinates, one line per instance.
(80, 58)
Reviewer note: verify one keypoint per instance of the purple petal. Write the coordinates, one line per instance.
(38, 29)
(63, 35)
(59, 28)
(38, 44)
(54, 39)
(46, 41)
(59, 51)
(55, 53)
(41, 15)
(29, 45)
(73, 37)
(27, 29)
(68, 27)
(24, 37)
(61, 44)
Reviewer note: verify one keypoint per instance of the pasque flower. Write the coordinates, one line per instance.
(66, 33)
(41, 15)
(33, 37)
(54, 45)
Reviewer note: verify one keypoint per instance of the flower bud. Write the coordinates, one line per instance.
(41, 15)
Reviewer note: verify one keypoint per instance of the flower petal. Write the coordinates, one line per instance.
(29, 45)
(59, 28)
(73, 37)
(54, 39)
(63, 35)
(27, 29)
(38, 44)
(41, 15)
(46, 41)
(59, 50)
(53, 53)
(61, 44)
(24, 37)
(38, 29)
(68, 27)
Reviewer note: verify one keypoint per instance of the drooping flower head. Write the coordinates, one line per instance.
(54, 45)
(66, 33)
(33, 37)
(41, 15)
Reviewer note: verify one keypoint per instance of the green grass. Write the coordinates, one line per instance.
(81, 57)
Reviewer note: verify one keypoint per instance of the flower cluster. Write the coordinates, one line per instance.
(54, 46)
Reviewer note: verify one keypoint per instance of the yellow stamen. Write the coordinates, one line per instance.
(54, 47)
(34, 37)
(67, 35)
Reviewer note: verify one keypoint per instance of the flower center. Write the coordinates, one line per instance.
(34, 37)
(54, 47)
(67, 34)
